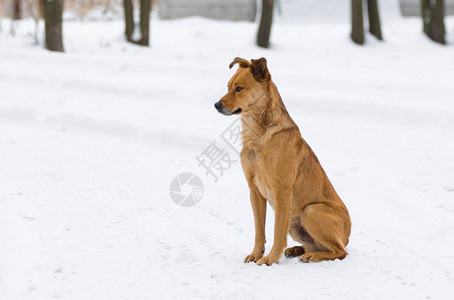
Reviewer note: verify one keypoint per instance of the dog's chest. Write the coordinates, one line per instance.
(255, 161)
(264, 189)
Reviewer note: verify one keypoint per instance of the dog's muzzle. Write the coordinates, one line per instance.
(224, 110)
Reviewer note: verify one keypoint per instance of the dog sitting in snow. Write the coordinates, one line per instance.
(281, 167)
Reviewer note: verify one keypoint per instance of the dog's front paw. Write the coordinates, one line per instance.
(253, 257)
(268, 260)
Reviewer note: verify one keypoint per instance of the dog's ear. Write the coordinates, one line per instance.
(243, 63)
(259, 69)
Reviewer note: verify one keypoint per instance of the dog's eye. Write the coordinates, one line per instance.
(238, 89)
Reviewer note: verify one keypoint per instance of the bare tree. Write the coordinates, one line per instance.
(145, 8)
(433, 20)
(35, 9)
(266, 20)
(17, 15)
(53, 17)
(129, 19)
(374, 19)
(107, 7)
(357, 34)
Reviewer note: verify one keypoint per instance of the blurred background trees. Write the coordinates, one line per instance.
(432, 13)
(266, 20)
(53, 18)
(357, 32)
(16, 10)
(145, 8)
(433, 19)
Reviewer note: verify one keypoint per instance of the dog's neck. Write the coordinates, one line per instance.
(265, 119)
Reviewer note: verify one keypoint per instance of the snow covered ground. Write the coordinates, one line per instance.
(91, 139)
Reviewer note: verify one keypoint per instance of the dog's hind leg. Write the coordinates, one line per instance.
(298, 234)
(330, 228)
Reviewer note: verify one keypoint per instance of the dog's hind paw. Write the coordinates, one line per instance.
(311, 256)
(253, 257)
(294, 251)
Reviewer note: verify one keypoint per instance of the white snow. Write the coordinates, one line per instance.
(91, 139)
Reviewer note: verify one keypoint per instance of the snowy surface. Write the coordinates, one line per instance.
(91, 139)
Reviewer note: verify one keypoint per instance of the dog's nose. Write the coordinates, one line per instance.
(218, 105)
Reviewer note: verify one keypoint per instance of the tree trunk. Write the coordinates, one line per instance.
(374, 19)
(266, 20)
(53, 17)
(129, 19)
(438, 26)
(425, 14)
(357, 34)
(16, 9)
(41, 9)
(433, 20)
(145, 8)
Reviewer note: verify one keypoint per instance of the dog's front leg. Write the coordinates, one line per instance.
(259, 210)
(281, 224)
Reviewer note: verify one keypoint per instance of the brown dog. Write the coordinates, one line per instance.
(281, 167)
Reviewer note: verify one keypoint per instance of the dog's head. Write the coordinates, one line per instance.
(246, 87)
